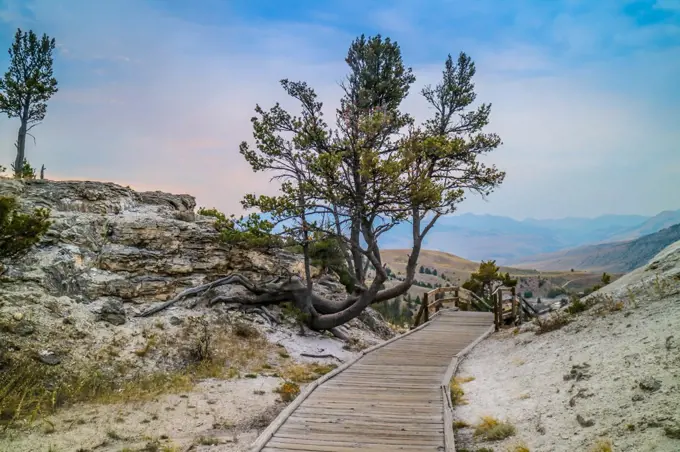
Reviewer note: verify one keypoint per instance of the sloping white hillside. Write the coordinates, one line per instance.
(610, 377)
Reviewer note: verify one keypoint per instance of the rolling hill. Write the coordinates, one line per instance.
(456, 270)
(658, 222)
(481, 237)
(621, 256)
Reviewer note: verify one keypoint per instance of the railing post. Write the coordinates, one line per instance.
(416, 321)
(426, 303)
(498, 315)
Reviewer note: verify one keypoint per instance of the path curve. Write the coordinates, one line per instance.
(392, 397)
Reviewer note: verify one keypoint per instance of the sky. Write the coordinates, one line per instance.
(158, 94)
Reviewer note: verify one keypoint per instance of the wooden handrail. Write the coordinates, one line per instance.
(465, 298)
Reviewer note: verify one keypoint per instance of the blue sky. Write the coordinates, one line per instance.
(157, 94)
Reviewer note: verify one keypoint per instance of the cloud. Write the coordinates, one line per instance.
(160, 98)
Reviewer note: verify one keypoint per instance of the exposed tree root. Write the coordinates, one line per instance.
(322, 313)
(268, 293)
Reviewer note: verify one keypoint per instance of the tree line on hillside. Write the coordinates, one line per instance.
(433, 272)
(344, 182)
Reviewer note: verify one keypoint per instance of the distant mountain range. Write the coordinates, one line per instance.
(611, 257)
(481, 237)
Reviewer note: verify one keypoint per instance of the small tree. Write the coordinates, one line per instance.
(422, 269)
(606, 278)
(26, 172)
(434, 272)
(485, 280)
(27, 86)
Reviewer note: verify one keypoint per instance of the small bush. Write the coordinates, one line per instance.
(288, 391)
(577, 306)
(491, 429)
(201, 348)
(551, 322)
(20, 231)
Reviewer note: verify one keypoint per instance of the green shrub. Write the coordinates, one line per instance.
(492, 429)
(577, 306)
(27, 171)
(249, 232)
(528, 294)
(20, 231)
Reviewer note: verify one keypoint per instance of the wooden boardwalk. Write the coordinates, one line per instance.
(394, 397)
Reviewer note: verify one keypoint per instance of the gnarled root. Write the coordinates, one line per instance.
(270, 292)
(323, 313)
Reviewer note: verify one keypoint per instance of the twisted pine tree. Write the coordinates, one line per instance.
(373, 169)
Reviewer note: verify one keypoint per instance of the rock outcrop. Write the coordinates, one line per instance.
(110, 241)
(112, 252)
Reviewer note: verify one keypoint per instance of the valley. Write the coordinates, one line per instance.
(509, 241)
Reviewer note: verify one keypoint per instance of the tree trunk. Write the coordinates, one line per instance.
(21, 146)
(21, 141)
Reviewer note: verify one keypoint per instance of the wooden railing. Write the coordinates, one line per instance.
(513, 311)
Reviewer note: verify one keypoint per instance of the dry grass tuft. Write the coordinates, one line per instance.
(459, 424)
(492, 429)
(518, 447)
(305, 372)
(262, 419)
(601, 445)
(465, 379)
(552, 322)
(245, 330)
(457, 393)
(30, 390)
(288, 391)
